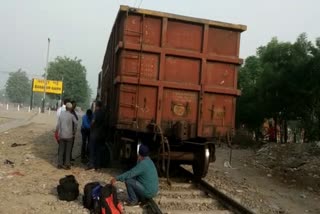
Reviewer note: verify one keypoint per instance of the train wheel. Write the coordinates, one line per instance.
(200, 165)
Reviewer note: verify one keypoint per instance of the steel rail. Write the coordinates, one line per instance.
(153, 207)
(225, 200)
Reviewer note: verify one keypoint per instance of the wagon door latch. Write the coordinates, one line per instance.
(212, 111)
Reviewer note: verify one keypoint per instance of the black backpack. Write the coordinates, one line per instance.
(88, 199)
(68, 188)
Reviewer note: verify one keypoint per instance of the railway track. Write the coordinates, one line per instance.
(187, 195)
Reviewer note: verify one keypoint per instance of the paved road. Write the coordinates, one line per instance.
(14, 119)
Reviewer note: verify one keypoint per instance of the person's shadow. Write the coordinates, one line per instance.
(46, 147)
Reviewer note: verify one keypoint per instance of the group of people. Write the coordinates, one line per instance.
(92, 131)
(141, 181)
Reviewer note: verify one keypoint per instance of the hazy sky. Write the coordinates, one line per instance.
(80, 28)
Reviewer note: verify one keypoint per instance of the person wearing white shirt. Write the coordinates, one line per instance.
(62, 108)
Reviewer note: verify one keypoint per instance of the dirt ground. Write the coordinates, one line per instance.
(258, 187)
(29, 185)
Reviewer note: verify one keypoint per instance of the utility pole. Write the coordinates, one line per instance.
(45, 80)
(62, 91)
(31, 98)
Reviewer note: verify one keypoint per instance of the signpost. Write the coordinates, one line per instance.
(51, 87)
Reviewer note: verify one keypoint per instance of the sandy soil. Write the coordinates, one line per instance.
(29, 186)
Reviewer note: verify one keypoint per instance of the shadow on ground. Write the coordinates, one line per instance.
(46, 147)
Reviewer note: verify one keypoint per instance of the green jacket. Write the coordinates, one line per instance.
(146, 173)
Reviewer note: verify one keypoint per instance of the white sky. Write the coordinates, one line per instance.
(80, 28)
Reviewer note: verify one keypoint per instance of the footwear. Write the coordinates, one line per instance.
(84, 160)
(59, 166)
(131, 204)
(67, 167)
(89, 168)
(143, 203)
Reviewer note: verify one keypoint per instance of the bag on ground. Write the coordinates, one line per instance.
(101, 200)
(91, 195)
(109, 200)
(68, 188)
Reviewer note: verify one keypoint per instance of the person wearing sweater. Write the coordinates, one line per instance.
(142, 181)
(65, 132)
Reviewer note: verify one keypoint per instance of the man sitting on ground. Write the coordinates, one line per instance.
(142, 180)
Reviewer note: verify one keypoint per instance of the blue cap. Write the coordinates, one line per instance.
(143, 150)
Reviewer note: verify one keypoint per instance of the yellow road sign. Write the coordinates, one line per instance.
(52, 86)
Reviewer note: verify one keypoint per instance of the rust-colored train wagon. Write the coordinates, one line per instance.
(170, 82)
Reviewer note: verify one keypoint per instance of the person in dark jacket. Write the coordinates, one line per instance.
(85, 132)
(97, 137)
(73, 111)
(142, 181)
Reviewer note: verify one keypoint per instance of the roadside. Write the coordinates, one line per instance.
(257, 187)
(28, 185)
(10, 119)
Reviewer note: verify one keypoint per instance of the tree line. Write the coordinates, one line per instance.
(70, 71)
(282, 81)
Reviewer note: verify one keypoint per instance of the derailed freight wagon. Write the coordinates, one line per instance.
(170, 82)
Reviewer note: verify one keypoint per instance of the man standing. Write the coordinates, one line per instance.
(97, 137)
(142, 180)
(85, 132)
(74, 125)
(62, 107)
(65, 132)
